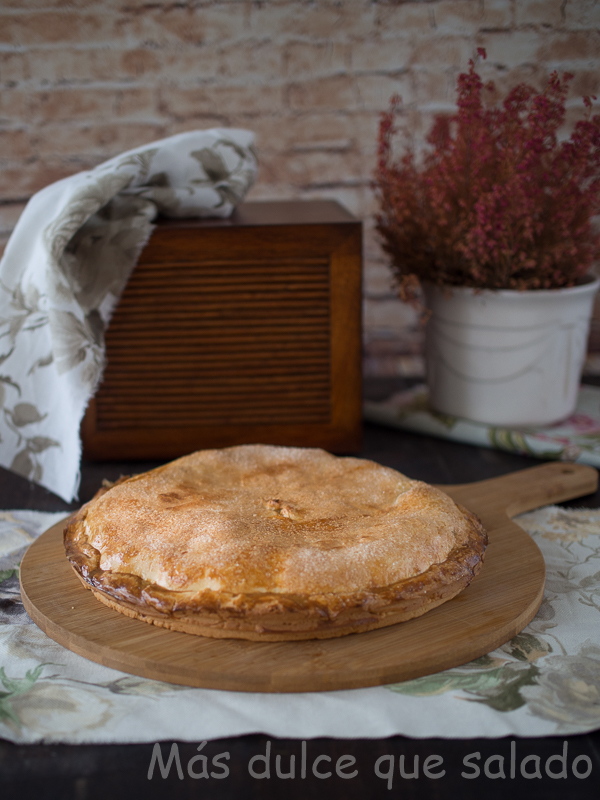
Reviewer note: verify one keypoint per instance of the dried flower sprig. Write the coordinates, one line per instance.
(498, 202)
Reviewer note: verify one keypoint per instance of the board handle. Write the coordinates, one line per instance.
(533, 487)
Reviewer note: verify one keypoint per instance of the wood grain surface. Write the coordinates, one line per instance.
(233, 332)
(498, 604)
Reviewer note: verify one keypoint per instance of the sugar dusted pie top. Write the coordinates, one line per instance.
(260, 518)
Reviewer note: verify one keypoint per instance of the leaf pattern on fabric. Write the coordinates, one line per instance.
(563, 688)
(544, 681)
(574, 439)
(65, 267)
(517, 442)
(499, 688)
(141, 161)
(74, 341)
(84, 202)
(26, 462)
(53, 707)
(44, 361)
(25, 414)
(15, 687)
(24, 312)
(229, 181)
(100, 257)
(567, 692)
(212, 163)
(139, 687)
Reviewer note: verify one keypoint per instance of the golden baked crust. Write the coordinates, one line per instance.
(273, 543)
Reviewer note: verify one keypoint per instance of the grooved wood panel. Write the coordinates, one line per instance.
(498, 604)
(267, 359)
(236, 331)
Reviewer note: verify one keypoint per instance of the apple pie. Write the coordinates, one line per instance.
(273, 543)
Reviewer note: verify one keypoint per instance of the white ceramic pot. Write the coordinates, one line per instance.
(506, 357)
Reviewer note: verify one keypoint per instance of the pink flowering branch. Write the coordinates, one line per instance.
(498, 201)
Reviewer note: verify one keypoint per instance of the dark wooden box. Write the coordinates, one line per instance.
(236, 331)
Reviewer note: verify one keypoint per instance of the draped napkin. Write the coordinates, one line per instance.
(62, 274)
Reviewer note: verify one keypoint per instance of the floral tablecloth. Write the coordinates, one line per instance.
(574, 439)
(544, 682)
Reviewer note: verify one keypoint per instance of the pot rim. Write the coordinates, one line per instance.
(589, 284)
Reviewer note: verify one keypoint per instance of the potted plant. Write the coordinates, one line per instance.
(494, 222)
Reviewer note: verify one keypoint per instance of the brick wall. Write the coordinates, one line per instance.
(82, 80)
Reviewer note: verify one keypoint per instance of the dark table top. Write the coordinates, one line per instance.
(87, 772)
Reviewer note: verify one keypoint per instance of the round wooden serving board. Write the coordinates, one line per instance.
(498, 604)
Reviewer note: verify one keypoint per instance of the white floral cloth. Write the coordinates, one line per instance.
(64, 269)
(576, 438)
(544, 682)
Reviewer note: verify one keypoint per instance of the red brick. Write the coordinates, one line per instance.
(512, 49)
(585, 82)
(72, 104)
(250, 59)
(14, 67)
(274, 132)
(26, 178)
(136, 6)
(15, 143)
(188, 64)
(582, 14)
(83, 104)
(372, 55)
(539, 12)
(337, 92)
(364, 126)
(220, 100)
(74, 65)
(497, 14)
(464, 17)
(137, 103)
(435, 87)
(375, 91)
(406, 19)
(199, 123)
(305, 131)
(102, 140)
(138, 62)
(36, 5)
(533, 74)
(323, 146)
(82, 65)
(570, 47)
(14, 105)
(319, 169)
(184, 64)
(315, 21)
(414, 127)
(359, 20)
(443, 52)
(303, 58)
(192, 26)
(54, 27)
